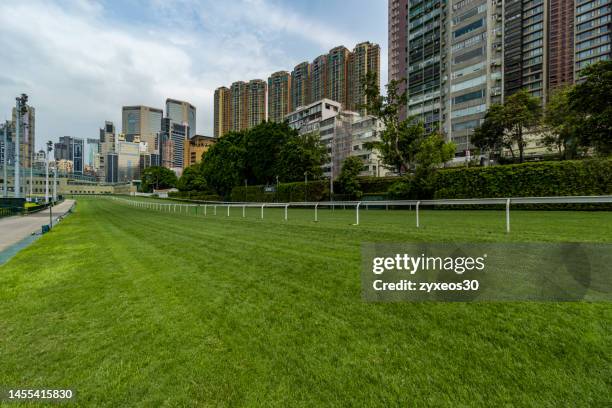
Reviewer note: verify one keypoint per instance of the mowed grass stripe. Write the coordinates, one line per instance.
(221, 311)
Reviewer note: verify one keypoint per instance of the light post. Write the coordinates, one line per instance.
(54, 181)
(306, 186)
(5, 161)
(276, 193)
(49, 147)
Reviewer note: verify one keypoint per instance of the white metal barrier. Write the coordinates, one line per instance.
(417, 204)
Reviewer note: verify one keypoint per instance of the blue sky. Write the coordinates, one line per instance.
(81, 60)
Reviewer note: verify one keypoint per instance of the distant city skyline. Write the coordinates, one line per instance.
(87, 59)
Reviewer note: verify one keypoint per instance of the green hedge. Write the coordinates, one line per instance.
(555, 178)
(562, 178)
(195, 195)
(317, 190)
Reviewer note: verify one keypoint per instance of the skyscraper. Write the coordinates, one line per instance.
(318, 79)
(182, 113)
(592, 33)
(337, 75)
(144, 123)
(222, 108)
(525, 36)
(424, 66)
(364, 59)
(300, 85)
(561, 44)
(257, 93)
(239, 106)
(398, 48)
(173, 136)
(279, 96)
(474, 61)
(71, 149)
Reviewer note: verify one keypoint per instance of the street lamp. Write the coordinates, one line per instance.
(49, 148)
(5, 161)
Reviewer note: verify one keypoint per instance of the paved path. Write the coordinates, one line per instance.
(17, 228)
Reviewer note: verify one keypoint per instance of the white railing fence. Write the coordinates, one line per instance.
(205, 208)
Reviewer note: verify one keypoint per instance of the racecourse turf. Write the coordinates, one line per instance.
(134, 307)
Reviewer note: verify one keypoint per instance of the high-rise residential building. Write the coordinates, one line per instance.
(143, 123)
(279, 96)
(183, 113)
(257, 105)
(222, 108)
(71, 149)
(318, 79)
(424, 85)
(27, 135)
(592, 33)
(300, 85)
(473, 68)
(338, 75)
(525, 57)
(364, 59)
(239, 106)
(195, 147)
(398, 46)
(560, 44)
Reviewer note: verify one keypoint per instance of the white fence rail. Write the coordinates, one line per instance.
(207, 207)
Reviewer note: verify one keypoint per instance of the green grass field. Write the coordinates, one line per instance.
(132, 307)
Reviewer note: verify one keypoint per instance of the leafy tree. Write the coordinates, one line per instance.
(157, 178)
(433, 151)
(192, 179)
(563, 125)
(301, 153)
(401, 140)
(490, 136)
(224, 164)
(505, 125)
(264, 144)
(351, 167)
(522, 112)
(590, 100)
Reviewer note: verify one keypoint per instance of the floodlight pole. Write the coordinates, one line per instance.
(16, 183)
(49, 145)
(5, 161)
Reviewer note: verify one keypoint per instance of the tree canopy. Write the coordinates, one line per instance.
(401, 141)
(157, 178)
(260, 155)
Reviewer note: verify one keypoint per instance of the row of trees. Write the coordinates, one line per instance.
(576, 121)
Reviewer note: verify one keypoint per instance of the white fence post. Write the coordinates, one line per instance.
(507, 216)
(205, 209)
(262, 207)
(244, 211)
(286, 206)
(316, 215)
(417, 213)
(215, 213)
(228, 210)
(357, 213)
